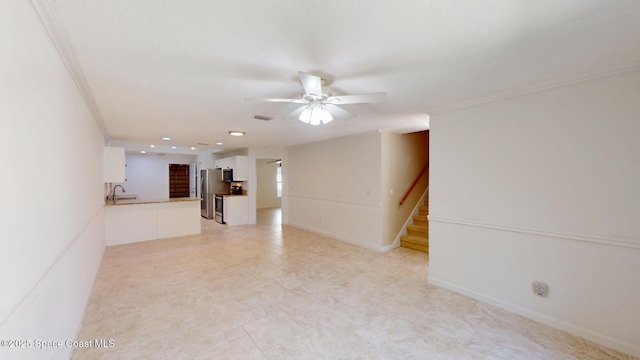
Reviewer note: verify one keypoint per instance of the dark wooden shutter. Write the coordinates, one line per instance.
(178, 180)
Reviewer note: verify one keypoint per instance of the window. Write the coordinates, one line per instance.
(279, 180)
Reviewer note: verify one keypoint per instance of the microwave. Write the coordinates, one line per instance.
(227, 175)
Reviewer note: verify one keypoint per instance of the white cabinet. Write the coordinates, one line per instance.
(236, 210)
(124, 224)
(240, 168)
(178, 219)
(113, 164)
(238, 163)
(224, 163)
(129, 223)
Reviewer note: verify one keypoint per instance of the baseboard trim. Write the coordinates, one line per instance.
(541, 318)
(333, 236)
(395, 244)
(602, 240)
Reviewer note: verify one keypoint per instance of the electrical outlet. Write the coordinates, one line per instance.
(540, 288)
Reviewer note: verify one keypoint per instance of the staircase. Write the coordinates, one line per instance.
(417, 237)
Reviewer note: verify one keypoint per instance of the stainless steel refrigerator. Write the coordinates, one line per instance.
(210, 185)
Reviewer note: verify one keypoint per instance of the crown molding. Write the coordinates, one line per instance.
(53, 24)
(627, 67)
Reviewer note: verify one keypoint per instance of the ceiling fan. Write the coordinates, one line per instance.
(318, 107)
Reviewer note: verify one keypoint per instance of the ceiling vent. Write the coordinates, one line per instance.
(262, 117)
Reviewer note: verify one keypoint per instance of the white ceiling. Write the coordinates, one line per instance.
(182, 68)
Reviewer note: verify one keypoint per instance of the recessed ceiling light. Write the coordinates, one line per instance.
(142, 152)
(219, 144)
(166, 138)
(174, 147)
(236, 133)
(193, 148)
(152, 146)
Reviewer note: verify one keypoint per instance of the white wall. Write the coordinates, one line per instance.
(267, 192)
(334, 186)
(205, 160)
(148, 174)
(544, 186)
(51, 213)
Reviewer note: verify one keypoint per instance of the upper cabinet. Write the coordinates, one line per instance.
(224, 163)
(238, 163)
(113, 164)
(240, 168)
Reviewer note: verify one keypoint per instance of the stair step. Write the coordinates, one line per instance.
(417, 230)
(415, 243)
(423, 210)
(415, 239)
(420, 220)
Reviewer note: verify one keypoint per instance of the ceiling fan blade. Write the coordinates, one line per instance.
(295, 101)
(338, 113)
(357, 99)
(296, 113)
(312, 84)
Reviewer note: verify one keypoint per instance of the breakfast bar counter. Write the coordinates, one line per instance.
(155, 201)
(129, 221)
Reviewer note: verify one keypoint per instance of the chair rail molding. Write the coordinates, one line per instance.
(603, 240)
(337, 201)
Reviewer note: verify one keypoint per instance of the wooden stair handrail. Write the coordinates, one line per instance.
(415, 182)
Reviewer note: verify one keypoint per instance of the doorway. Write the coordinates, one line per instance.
(269, 191)
(178, 180)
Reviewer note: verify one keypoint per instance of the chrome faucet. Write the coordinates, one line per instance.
(114, 192)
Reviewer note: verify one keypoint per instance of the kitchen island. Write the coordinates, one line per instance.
(129, 221)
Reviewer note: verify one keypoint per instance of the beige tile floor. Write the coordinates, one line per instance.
(269, 216)
(276, 292)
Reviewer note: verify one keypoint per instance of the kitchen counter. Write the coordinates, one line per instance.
(140, 201)
(143, 220)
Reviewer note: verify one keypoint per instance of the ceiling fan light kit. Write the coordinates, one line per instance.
(320, 108)
(315, 115)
